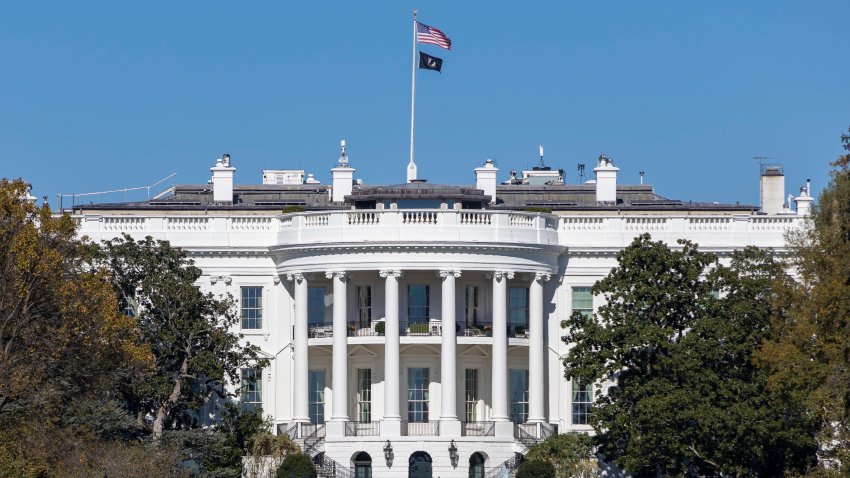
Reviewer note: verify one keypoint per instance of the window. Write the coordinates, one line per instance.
(518, 306)
(362, 465)
(476, 465)
(316, 305)
(471, 380)
(364, 395)
(518, 384)
(252, 388)
(364, 305)
(417, 303)
(583, 301)
(252, 307)
(316, 381)
(417, 394)
(582, 399)
(471, 305)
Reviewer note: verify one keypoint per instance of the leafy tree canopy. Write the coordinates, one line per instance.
(571, 454)
(677, 336)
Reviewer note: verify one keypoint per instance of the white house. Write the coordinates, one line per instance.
(414, 328)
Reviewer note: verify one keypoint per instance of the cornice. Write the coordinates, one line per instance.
(368, 247)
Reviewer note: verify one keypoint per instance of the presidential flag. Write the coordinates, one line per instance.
(428, 62)
(427, 34)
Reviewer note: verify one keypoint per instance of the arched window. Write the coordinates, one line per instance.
(476, 466)
(362, 465)
(419, 465)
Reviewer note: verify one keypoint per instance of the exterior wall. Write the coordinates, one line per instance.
(576, 250)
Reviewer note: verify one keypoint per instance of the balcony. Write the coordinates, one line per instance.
(478, 429)
(427, 225)
(420, 329)
(362, 429)
(420, 429)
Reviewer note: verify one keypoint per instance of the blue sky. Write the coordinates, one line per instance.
(104, 95)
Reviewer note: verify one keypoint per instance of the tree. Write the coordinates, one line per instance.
(809, 358)
(571, 454)
(189, 332)
(63, 345)
(676, 339)
(533, 469)
(296, 465)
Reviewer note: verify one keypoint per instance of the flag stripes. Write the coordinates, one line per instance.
(433, 36)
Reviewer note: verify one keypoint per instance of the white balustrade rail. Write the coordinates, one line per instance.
(465, 226)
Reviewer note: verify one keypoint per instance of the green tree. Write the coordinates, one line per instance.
(677, 336)
(571, 454)
(190, 333)
(296, 465)
(809, 358)
(535, 469)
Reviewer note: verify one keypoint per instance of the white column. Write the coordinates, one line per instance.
(449, 423)
(391, 425)
(536, 350)
(300, 394)
(339, 412)
(499, 411)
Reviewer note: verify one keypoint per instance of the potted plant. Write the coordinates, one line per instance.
(380, 328)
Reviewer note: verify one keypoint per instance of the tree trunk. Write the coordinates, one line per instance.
(162, 411)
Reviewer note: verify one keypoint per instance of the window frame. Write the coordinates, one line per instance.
(364, 395)
(426, 308)
(418, 395)
(581, 402)
(311, 306)
(471, 394)
(513, 309)
(317, 397)
(251, 388)
(518, 409)
(257, 306)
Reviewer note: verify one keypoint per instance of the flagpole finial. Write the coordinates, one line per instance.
(414, 13)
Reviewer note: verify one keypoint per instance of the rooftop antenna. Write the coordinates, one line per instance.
(580, 173)
(541, 155)
(641, 176)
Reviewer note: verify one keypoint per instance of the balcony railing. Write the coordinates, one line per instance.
(430, 328)
(478, 429)
(358, 329)
(518, 329)
(320, 330)
(474, 330)
(420, 429)
(362, 429)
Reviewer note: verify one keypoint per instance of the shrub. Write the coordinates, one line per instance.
(291, 209)
(534, 469)
(297, 465)
(570, 453)
(380, 327)
(538, 209)
(418, 328)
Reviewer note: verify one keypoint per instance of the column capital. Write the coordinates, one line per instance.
(295, 276)
(499, 275)
(443, 273)
(542, 276)
(336, 274)
(384, 273)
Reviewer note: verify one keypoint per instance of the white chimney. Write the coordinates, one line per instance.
(772, 189)
(485, 179)
(606, 180)
(222, 180)
(804, 200)
(343, 176)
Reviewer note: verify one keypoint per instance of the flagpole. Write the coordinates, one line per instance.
(411, 168)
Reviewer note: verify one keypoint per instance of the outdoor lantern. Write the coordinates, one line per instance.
(388, 453)
(453, 454)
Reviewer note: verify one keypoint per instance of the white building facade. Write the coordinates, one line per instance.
(414, 329)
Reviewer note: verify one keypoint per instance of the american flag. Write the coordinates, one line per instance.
(426, 34)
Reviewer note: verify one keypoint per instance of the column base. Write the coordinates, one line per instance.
(335, 428)
(391, 427)
(504, 429)
(450, 428)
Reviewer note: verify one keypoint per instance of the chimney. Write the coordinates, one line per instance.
(804, 200)
(343, 176)
(485, 179)
(222, 180)
(606, 180)
(772, 188)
